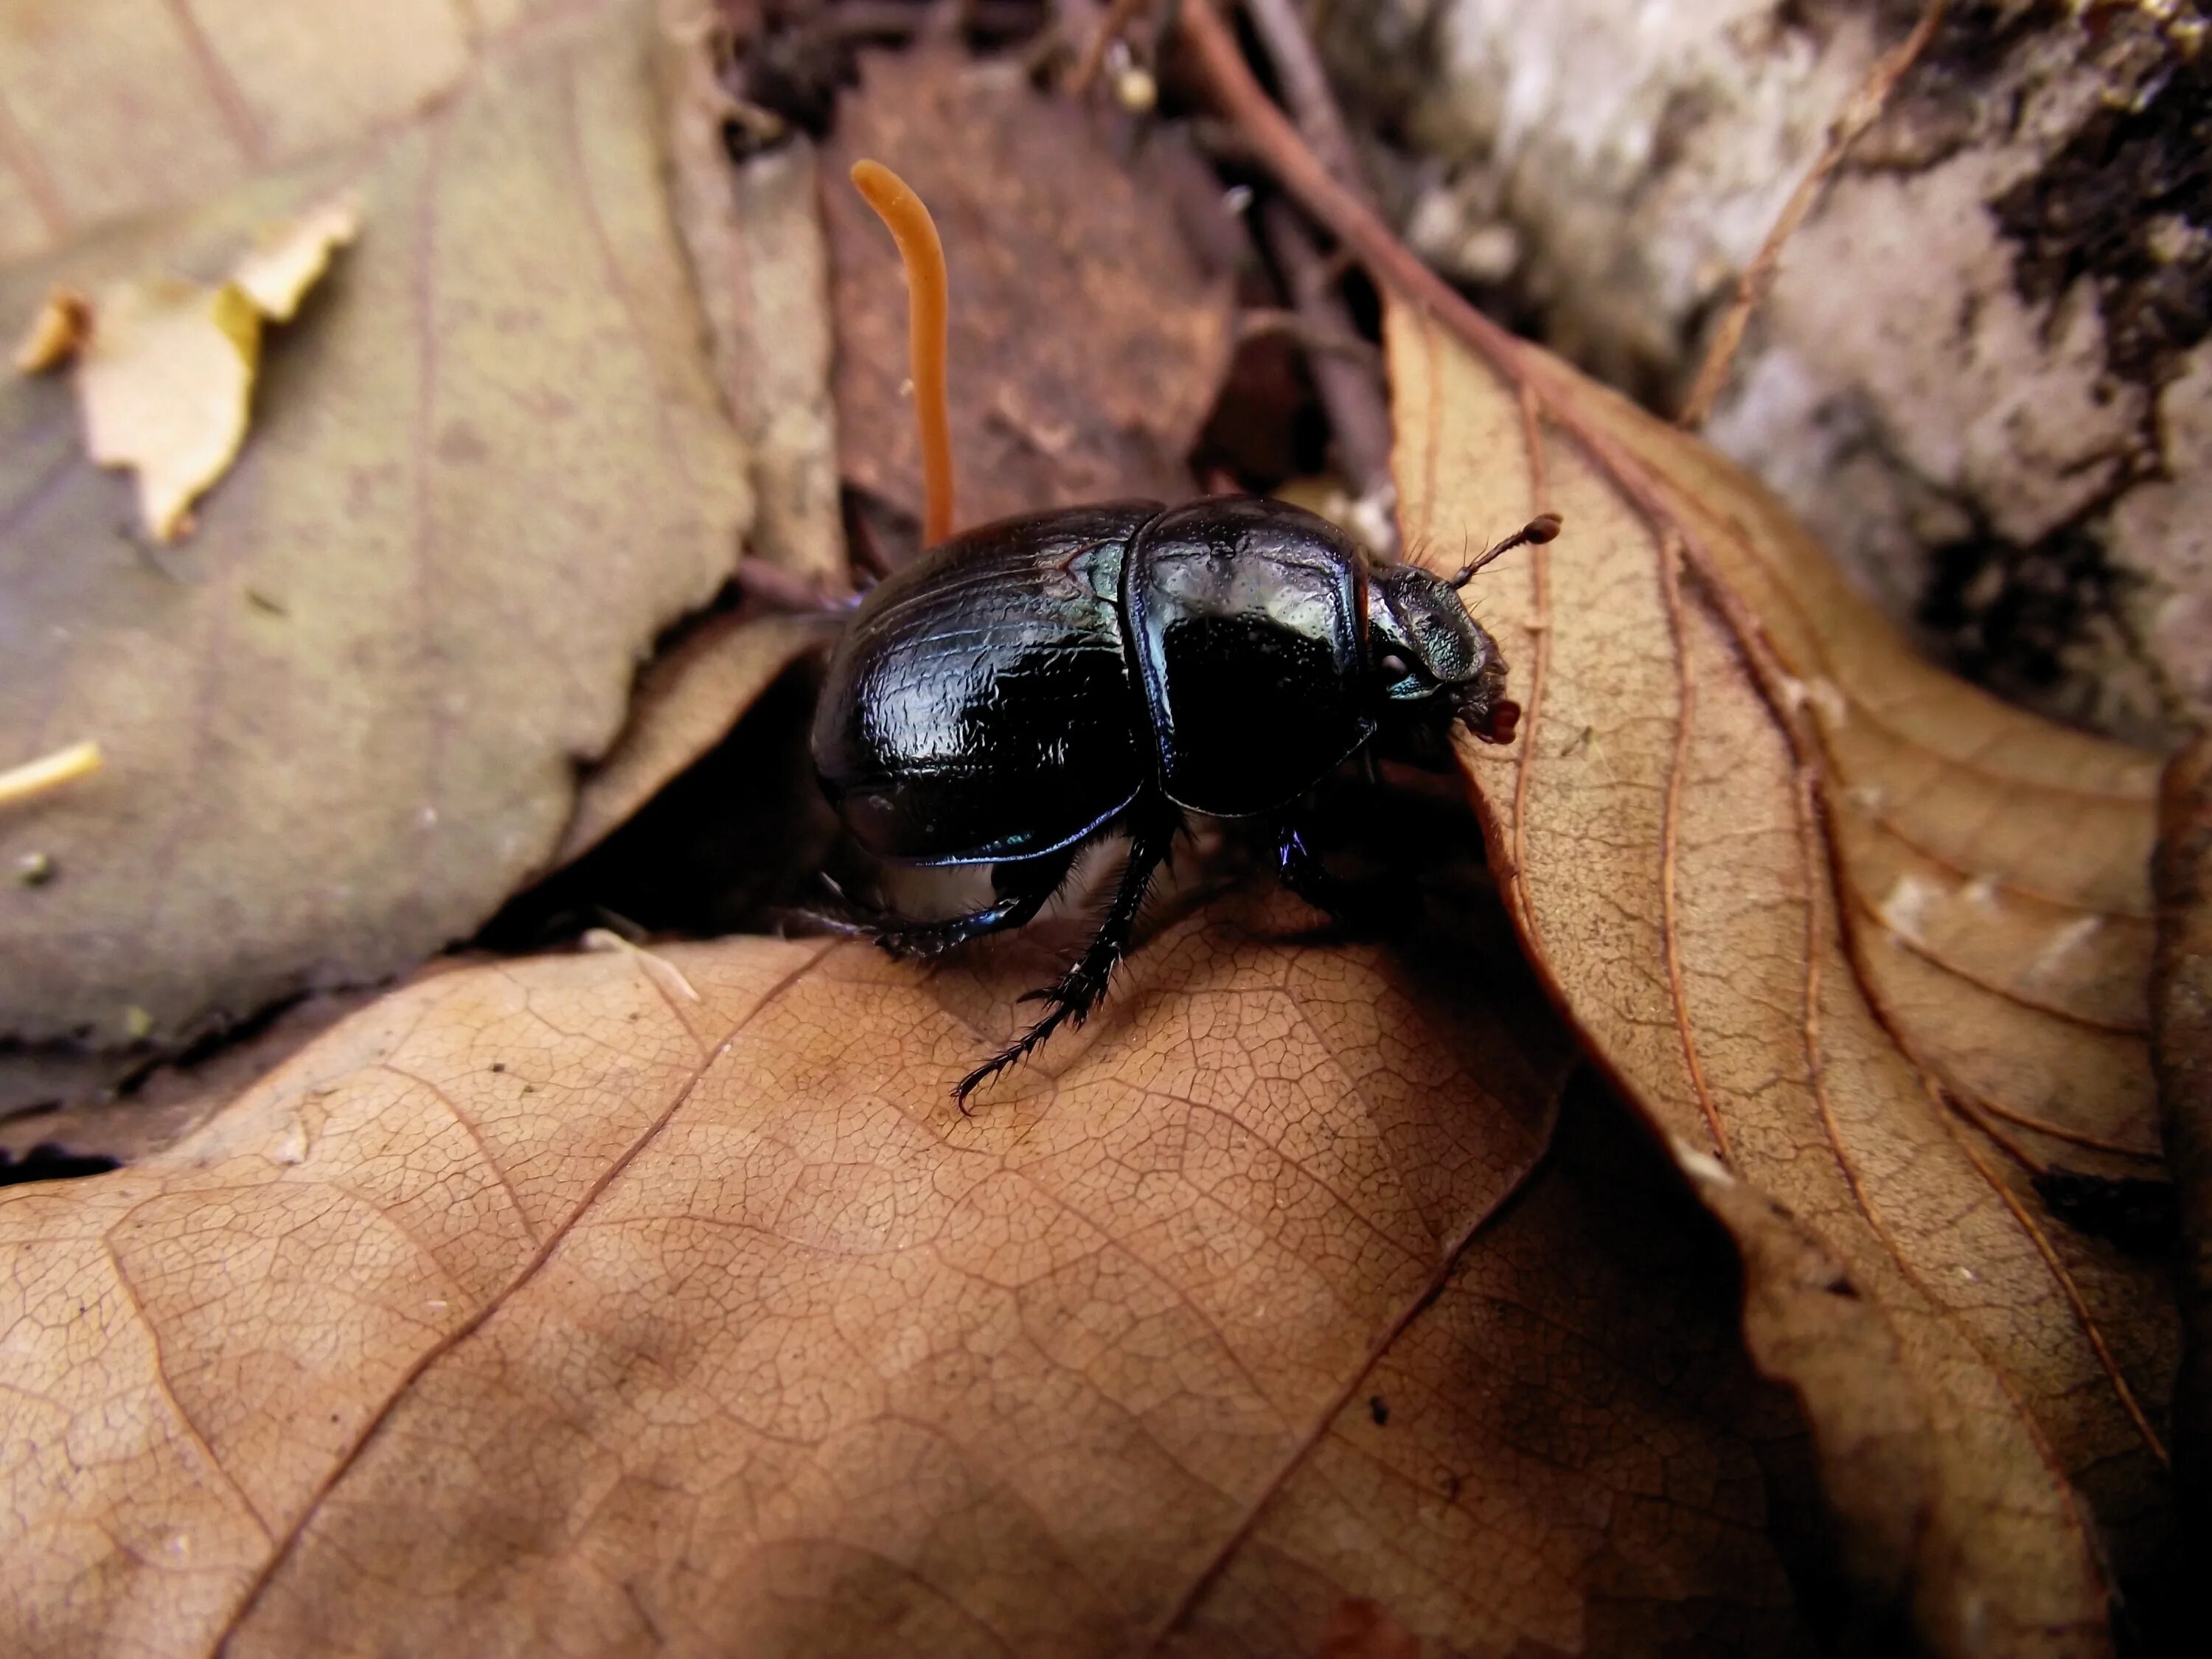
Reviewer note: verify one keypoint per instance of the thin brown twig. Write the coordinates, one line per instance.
(1257, 321)
(1335, 206)
(1305, 85)
(1860, 111)
(1351, 390)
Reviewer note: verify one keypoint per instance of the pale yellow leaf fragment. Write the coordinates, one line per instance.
(165, 367)
(55, 333)
(290, 258)
(164, 385)
(34, 778)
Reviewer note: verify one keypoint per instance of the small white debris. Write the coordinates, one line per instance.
(1907, 908)
(661, 971)
(292, 1150)
(1982, 890)
(1701, 1165)
(2067, 940)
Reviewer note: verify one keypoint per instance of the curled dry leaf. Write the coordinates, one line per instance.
(536, 1309)
(1088, 338)
(2181, 1010)
(342, 724)
(1871, 948)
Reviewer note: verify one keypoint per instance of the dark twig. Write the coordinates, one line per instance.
(779, 589)
(1305, 86)
(1255, 321)
(1351, 390)
(895, 20)
(1860, 111)
(1336, 205)
(1352, 393)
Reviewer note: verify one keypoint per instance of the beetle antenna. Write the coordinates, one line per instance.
(922, 252)
(1538, 530)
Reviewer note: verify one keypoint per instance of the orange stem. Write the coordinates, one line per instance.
(923, 255)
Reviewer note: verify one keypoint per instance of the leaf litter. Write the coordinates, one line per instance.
(1827, 927)
(1717, 729)
(1089, 335)
(538, 1265)
(342, 724)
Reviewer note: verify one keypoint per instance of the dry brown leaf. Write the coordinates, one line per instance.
(1870, 939)
(343, 724)
(1088, 339)
(2182, 1044)
(535, 1309)
(119, 107)
(113, 1106)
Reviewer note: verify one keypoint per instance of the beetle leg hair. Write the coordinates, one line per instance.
(1027, 885)
(1152, 829)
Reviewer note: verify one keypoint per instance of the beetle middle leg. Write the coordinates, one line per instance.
(1151, 831)
(1023, 889)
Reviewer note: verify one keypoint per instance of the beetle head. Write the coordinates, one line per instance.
(1436, 658)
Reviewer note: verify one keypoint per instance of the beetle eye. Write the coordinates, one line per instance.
(1394, 665)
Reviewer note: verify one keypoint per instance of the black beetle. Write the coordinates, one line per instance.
(1026, 686)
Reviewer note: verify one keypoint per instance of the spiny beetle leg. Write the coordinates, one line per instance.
(1080, 989)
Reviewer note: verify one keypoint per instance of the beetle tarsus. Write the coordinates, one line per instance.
(1080, 989)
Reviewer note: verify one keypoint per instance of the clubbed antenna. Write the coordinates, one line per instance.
(923, 255)
(1537, 530)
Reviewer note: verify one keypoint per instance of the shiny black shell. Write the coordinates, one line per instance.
(1247, 625)
(978, 707)
(1018, 686)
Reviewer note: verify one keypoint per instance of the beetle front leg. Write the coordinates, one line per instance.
(1078, 990)
(1028, 885)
